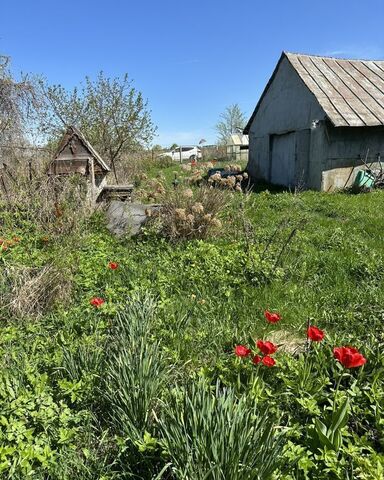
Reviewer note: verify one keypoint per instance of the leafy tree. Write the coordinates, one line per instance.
(173, 146)
(18, 100)
(110, 112)
(232, 120)
(157, 148)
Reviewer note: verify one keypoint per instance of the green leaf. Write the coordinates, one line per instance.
(340, 417)
(321, 432)
(320, 425)
(337, 440)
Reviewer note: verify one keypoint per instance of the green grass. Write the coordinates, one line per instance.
(168, 170)
(308, 256)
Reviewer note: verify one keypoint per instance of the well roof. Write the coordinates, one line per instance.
(69, 134)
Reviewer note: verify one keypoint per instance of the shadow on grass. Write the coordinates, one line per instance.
(258, 186)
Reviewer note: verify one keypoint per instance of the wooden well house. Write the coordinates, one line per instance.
(75, 155)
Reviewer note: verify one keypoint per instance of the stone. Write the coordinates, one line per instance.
(125, 218)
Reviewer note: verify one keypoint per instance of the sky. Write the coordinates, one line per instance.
(190, 59)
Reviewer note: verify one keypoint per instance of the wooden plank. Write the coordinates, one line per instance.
(93, 181)
(119, 187)
(62, 167)
(117, 192)
(72, 158)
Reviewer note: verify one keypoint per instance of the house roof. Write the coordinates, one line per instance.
(69, 134)
(238, 139)
(351, 92)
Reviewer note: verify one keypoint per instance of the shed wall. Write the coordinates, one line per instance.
(347, 145)
(287, 106)
(325, 157)
(347, 149)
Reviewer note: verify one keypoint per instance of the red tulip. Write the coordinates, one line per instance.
(113, 265)
(272, 317)
(349, 357)
(242, 351)
(256, 359)
(266, 348)
(268, 361)
(315, 334)
(96, 302)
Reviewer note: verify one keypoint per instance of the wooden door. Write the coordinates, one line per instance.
(283, 159)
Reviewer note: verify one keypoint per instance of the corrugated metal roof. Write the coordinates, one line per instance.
(238, 139)
(351, 92)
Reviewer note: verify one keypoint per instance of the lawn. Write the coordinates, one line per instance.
(148, 385)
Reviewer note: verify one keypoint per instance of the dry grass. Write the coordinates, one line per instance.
(33, 291)
(190, 214)
(53, 207)
(234, 182)
(133, 166)
(287, 342)
(53, 204)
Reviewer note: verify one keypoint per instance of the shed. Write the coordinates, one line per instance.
(237, 147)
(318, 121)
(75, 155)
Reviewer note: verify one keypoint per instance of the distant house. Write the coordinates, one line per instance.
(317, 122)
(75, 155)
(237, 147)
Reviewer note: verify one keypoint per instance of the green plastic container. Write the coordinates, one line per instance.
(364, 179)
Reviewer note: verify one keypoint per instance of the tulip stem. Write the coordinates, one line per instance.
(308, 339)
(337, 390)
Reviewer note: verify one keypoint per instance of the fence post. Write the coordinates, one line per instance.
(30, 169)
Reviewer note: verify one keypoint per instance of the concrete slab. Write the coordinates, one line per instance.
(126, 218)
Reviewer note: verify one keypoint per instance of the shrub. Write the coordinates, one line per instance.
(236, 181)
(164, 162)
(54, 205)
(188, 214)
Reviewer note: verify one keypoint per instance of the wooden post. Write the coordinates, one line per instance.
(93, 181)
(2, 181)
(30, 169)
(181, 161)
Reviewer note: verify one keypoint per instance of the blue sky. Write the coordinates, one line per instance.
(190, 59)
